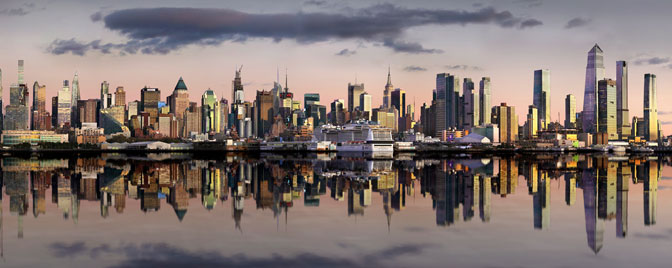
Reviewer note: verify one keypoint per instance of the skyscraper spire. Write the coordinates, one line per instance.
(389, 77)
(286, 84)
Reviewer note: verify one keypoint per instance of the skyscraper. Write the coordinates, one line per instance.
(354, 90)
(388, 89)
(484, 105)
(594, 73)
(149, 101)
(210, 113)
(398, 101)
(606, 108)
(508, 123)
(471, 104)
(622, 111)
(650, 108)
(64, 105)
(20, 72)
(74, 98)
(237, 94)
(448, 91)
(570, 111)
(179, 102)
(365, 104)
(264, 113)
(532, 122)
(39, 111)
(105, 95)
(542, 97)
(120, 97)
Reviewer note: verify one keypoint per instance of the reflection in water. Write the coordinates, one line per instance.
(460, 189)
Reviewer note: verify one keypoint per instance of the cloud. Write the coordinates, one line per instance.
(164, 30)
(664, 112)
(530, 3)
(652, 60)
(346, 52)
(530, 23)
(463, 67)
(25, 9)
(414, 68)
(315, 2)
(577, 22)
(666, 122)
(95, 17)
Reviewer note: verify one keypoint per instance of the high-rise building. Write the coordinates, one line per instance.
(39, 111)
(398, 101)
(594, 73)
(120, 97)
(20, 72)
(354, 90)
(448, 90)
(365, 104)
(388, 89)
(210, 113)
(471, 105)
(149, 102)
(179, 102)
(106, 98)
(606, 108)
(88, 111)
(17, 112)
(337, 114)
(485, 95)
(237, 94)
(64, 105)
(570, 111)
(74, 99)
(622, 111)
(264, 113)
(532, 122)
(311, 103)
(650, 108)
(508, 123)
(542, 97)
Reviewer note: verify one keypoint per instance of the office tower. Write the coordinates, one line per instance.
(264, 113)
(398, 101)
(64, 105)
(354, 90)
(365, 104)
(508, 123)
(133, 109)
(74, 98)
(237, 94)
(388, 89)
(448, 89)
(179, 102)
(120, 97)
(622, 111)
(311, 103)
(210, 112)
(606, 103)
(484, 103)
(149, 102)
(594, 73)
(20, 72)
(542, 97)
(88, 111)
(337, 114)
(570, 111)
(224, 118)
(532, 122)
(39, 111)
(105, 96)
(54, 111)
(471, 104)
(650, 108)
(17, 112)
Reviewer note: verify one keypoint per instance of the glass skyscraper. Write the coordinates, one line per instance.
(594, 73)
(622, 113)
(650, 108)
(542, 97)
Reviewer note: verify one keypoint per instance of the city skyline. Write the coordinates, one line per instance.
(367, 65)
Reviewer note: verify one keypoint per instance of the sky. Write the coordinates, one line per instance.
(323, 45)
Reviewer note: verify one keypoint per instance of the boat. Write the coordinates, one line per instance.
(365, 137)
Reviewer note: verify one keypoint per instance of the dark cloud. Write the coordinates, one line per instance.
(652, 60)
(163, 30)
(463, 67)
(414, 68)
(577, 22)
(165, 255)
(530, 23)
(346, 52)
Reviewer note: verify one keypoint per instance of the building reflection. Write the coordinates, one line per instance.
(461, 190)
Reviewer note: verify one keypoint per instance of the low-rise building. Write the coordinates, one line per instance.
(13, 137)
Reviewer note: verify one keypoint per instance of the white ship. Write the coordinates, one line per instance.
(362, 137)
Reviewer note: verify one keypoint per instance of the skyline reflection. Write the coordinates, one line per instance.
(461, 190)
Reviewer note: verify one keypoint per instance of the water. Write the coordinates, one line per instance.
(309, 210)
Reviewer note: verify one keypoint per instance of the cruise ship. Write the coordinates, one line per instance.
(367, 138)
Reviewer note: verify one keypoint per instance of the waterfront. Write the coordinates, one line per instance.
(116, 210)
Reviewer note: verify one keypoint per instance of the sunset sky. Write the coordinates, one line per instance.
(323, 45)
